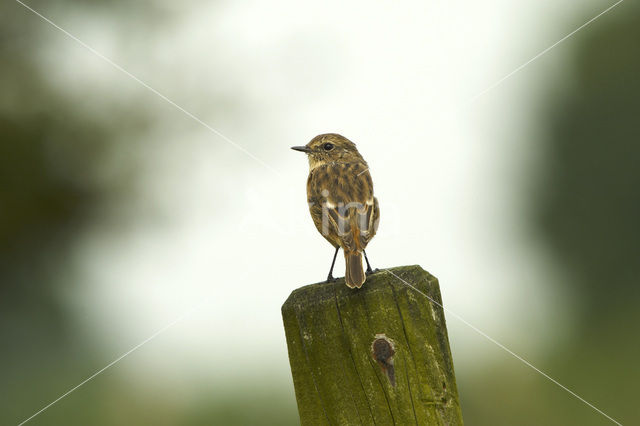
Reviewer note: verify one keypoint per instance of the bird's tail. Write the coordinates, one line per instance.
(354, 275)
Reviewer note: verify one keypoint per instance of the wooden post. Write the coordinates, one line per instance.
(376, 355)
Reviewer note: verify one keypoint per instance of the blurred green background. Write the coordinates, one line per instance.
(71, 160)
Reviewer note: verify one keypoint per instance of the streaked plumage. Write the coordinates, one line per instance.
(341, 201)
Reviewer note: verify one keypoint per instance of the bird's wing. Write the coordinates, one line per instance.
(345, 192)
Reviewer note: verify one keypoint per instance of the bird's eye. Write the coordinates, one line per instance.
(328, 146)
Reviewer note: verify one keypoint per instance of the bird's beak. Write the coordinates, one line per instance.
(301, 149)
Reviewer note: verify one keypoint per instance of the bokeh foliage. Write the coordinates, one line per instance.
(589, 206)
(586, 211)
(57, 179)
(50, 150)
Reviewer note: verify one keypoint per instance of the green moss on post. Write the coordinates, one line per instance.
(342, 378)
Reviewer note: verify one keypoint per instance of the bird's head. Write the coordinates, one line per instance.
(330, 148)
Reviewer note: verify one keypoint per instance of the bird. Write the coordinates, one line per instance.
(341, 201)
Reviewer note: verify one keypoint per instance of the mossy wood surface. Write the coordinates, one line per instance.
(330, 330)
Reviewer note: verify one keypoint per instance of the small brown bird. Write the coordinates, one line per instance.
(341, 201)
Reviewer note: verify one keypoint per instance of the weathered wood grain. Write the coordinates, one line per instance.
(330, 332)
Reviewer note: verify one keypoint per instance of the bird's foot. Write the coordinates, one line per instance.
(331, 279)
(370, 271)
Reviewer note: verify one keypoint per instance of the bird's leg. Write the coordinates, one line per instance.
(369, 270)
(333, 262)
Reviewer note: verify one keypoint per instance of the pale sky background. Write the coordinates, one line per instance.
(209, 223)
